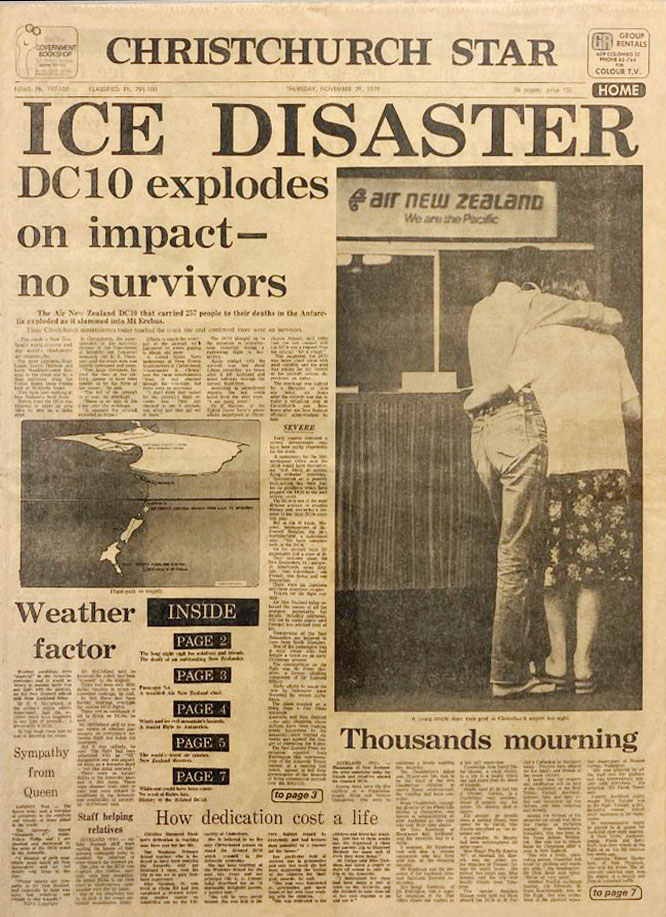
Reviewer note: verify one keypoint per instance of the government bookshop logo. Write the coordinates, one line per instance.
(46, 52)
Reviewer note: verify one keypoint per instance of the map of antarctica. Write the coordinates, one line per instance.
(139, 503)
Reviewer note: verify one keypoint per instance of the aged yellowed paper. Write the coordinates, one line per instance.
(333, 461)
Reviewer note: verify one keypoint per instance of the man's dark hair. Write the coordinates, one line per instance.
(527, 264)
(566, 282)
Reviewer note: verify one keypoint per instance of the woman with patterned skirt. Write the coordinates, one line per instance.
(582, 383)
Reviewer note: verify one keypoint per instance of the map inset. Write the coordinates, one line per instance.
(127, 503)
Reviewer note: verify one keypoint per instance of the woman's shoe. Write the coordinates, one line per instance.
(585, 685)
(559, 682)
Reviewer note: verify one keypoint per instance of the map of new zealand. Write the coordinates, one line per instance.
(129, 503)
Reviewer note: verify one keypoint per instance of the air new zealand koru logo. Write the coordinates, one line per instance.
(356, 199)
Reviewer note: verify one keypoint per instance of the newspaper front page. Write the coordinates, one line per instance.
(333, 458)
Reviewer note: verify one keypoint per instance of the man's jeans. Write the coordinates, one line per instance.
(510, 453)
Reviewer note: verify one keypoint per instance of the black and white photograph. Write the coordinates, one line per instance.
(139, 503)
(488, 438)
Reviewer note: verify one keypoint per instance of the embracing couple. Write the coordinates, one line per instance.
(551, 394)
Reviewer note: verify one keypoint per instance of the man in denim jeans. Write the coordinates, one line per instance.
(510, 449)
